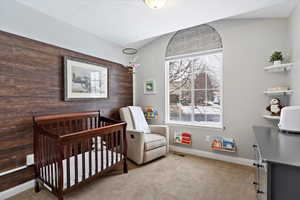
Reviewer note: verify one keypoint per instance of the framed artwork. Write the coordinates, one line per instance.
(84, 80)
(149, 87)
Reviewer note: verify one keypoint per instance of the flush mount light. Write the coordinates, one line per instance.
(155, 4)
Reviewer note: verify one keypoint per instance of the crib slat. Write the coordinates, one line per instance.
(125, 167)
(45, 164)
(64, 127)
(48, 159)
(112, 147)
(86, 124)
(75, 147)
(44, 159)
(83, 159)
(107, 147)
(69, 126)
(90, 156)
(55, 172)
(51, 161)
(91, 122)
(117, 146)
(78, 125)
(41, 155)
(68, 166)
(101, 153)
(96, 153)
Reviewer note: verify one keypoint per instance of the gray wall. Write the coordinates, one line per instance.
(21, 20)
(294, 39)
(247, 47)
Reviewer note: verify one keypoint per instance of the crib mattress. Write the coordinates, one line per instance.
(72, 159)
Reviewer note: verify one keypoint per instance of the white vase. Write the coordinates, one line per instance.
(277, 62)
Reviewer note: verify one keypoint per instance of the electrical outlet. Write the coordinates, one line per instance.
(207, 138)
(29, 159)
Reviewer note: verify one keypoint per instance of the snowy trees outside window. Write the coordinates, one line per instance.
(195, 88)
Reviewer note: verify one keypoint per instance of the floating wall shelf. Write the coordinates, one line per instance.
(224, 150)
(271, 117)
(280, 92)
(279, 68)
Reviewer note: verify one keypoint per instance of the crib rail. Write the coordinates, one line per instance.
(71, 152)
(46, 158)
(70, 123)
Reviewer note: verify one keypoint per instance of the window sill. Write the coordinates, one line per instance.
(195, 125)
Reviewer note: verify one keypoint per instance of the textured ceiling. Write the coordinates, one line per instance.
(129, 21)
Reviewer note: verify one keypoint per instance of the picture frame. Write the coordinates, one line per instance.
(84, 80)
(149, 87)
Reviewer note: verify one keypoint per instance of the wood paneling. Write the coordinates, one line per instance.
(31, 79)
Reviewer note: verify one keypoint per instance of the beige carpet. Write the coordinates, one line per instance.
(173, 177)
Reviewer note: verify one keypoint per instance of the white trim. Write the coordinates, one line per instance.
(215, 156)
(195, 54)
(195, 124)
(12, 170)
(15, 190)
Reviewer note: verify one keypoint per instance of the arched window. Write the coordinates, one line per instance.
(194, 64)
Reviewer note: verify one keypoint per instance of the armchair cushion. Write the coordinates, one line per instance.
(153, 141)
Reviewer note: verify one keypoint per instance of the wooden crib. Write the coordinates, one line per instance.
(72, 149)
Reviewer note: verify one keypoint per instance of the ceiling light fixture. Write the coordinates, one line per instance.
(155, 4)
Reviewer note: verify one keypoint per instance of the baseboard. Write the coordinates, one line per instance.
(15, 190)
(216, 156)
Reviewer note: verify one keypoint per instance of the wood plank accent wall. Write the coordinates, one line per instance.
(31, 80)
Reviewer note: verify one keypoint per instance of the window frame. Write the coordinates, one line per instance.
(167, 96)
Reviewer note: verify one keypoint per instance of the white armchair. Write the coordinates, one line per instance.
(144, 147)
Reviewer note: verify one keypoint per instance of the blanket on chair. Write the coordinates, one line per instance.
(138, 119)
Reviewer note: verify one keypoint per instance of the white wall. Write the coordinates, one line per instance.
(294, 39)
(247, 47)
(21, 20)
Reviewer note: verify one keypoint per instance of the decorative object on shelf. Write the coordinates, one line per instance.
(275, 107)
(132, 56)
(150, 113)
(155, 4)
(149, 87)
(278, 90)
(84, 80)
(270, 117)
(183, 138)
(276, 58)
(223, 144)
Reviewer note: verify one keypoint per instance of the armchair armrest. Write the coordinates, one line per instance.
(161, 130)
(135, 141)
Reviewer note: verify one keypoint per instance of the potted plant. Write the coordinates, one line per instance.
(276, 58)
